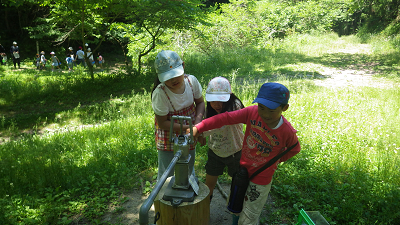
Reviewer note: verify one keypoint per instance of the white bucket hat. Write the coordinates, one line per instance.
(218, 90)
(168, 65)
(70, 48)
(14, 43)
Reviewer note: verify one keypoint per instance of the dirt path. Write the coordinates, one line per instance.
(352, 75)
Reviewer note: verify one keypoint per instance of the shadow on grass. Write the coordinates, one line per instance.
(62, 160)
(37, 97)
(379, 65)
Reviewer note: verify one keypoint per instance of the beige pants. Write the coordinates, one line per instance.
(254, 201)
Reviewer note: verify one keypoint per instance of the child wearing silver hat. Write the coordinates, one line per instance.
(174, 94)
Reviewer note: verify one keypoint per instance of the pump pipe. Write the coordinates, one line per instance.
(144, 209)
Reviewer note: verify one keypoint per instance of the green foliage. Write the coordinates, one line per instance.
(149, 20)
(255, 23)
(79, 99)
(377, 15)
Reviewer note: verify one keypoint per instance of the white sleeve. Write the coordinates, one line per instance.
(197, 90)
(159, 102)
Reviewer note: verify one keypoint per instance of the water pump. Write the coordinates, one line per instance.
(183, 185)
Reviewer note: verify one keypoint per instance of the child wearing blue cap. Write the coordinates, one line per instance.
(267, 134)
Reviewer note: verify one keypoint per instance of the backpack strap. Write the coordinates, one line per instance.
(272, 161)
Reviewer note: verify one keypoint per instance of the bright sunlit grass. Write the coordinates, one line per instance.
(350, 145)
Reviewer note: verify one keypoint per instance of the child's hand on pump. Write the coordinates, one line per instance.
(196, 134)
(202, 140)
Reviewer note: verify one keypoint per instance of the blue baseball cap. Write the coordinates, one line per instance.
(272, 95)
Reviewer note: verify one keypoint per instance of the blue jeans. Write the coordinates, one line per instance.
(79, 61)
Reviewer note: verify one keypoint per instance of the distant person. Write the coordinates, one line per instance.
(80, 57)
(224, 144)
(55, 62)
(2, 54)
(89, 54)
(72, 55)
(43, 60)
(15, 55)
(4, 60)
(37, 61)
(70, 62)
(100, 60)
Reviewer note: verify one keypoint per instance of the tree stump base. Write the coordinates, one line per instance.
(187, 213)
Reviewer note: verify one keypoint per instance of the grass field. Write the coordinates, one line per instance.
(71, 145)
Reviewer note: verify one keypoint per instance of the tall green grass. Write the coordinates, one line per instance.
(349, 165)
(77, 169)
(100, 136)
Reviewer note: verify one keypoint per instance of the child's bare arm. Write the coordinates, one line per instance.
(200, 108)
(165, 124)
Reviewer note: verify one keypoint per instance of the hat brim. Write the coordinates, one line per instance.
(176, 72)
(217, 97)
(267, 103)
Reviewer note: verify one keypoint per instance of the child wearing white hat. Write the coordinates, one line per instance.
(43, 60)
(55, 62)
(225, 143)
(15, 55)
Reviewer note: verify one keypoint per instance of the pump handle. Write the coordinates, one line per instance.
(182, 132)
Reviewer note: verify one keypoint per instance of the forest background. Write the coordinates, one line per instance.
(73, 143)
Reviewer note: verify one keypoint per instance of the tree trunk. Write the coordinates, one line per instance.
(139, 63)
(6, 19)
(83, 40)
(153, 45)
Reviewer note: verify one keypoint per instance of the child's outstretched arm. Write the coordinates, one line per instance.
(217, 121)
